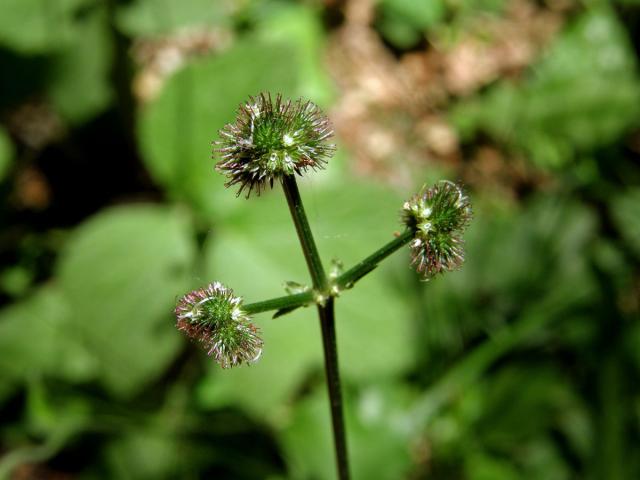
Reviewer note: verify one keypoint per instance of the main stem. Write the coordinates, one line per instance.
(327, 321)
(311, 255)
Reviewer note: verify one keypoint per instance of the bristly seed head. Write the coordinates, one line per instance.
(438, 216)
(272, 139)
(213, 317)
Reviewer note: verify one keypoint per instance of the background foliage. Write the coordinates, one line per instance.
(524, 364)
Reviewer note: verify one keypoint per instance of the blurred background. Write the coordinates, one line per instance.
(525, 364)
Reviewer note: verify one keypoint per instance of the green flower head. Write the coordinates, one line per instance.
(213, 317)
(438, 216)
(272, 139)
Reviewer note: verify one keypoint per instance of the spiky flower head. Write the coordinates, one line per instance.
(213, 317)
(438, 215)
(272, 139)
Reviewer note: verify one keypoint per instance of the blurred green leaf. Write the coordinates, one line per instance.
(120, 273)
(49, 426)
(36, 26)
(480, 6)
(300, 27)
(259, 250)
(177, 129)
(155, 17)
(581, 95)
(514, 261)
(144, 454)
(502, 427)
(403, 22)
(54, 424)
(543, 265)
(15, 280)
(480, 466)
(46, 416)
(625, 209)
(6, 153)
(610, 258)
(379, 433)
(80, 85)
(36, 340)
(533, 406)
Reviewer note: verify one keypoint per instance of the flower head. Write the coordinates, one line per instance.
(213, 317)
(438, 215)
(271, 139)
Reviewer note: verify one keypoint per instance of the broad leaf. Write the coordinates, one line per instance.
(35, 26)
(581, 95)
(177, 129)
(120, 273)
(37, 339)
(156, 17)
(80, 85)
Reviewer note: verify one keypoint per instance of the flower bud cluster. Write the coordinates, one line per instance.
(271, 139)
(213, 317)
(438, 216)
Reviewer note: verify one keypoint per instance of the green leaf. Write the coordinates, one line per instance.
(514, 262)
(161, 17)
(16, 280)
(49, 416)
(478, 7)
(582, 95)
(403, 22)
(300, 28)
(120, 273)
(486, 467)
(625, 209)
(6, 153)
(500, 426)
(534, 406)
(144, 454)
(80, 83)
(36, 26)
(258, 250)
(177, 129)
(36, 339)
(379, 433)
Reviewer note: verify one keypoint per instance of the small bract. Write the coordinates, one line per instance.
(438, 215)
(213, 317)
(272, 139)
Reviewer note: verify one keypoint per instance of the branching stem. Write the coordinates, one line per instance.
(344, 281)
(322, 295)
(290, 301)
(351, 276)
(327, 322)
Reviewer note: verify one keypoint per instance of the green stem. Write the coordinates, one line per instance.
(309, 248)
(290, 301)
(351, 276)
(326, 313)
(327, 322)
